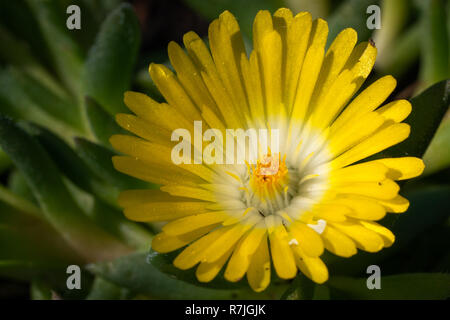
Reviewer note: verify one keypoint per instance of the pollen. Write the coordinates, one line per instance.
(270, 176)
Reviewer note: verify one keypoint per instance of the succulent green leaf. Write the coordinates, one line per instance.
(135, 273)
(163, 262)
(105, 290)
(101, 123)
(98, 159)
(111, 59)
(437, 156)
(434, 43)
(39, 291)
(59, 207)
(415, 286)
(65, 51)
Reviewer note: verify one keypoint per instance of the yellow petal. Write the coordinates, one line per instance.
(189, 76)
(387, 236)
(367, 100)
(164, 243)
(192, 255)
(308, 240)
(319, 33)
(227, 47)
(258, 274)
(190, 192)
(403, 168)
(396, 110)
(364, 238)
(262, 25)
(354, 132)
(332, 212)
(159, 114)
(242, 255)
(338, 243)
(335, 59)
(164, 211)
(395, 205)
(253, 85)
(379, 141)
(282, 255)
(139, 196)
(362, 207)
(224, 243)
(296, 45)
(386, 189)
(271, 60)
(207, 271)
(190, 223)
(307, 81)
(139, 148)
(173, 92)
(312, 267)
(143, 129)
(159, 174)
(367, 171)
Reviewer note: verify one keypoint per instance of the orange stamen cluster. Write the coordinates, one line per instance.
(269, 177)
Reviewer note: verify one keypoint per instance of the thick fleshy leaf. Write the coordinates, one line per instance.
(164, 263)
(17, 53)
(111, 59)
(40, 291)
(113, 221)
(415, 286)
(105, 290)
(18, 186)
(65, 51)
(101, 123)
(402, 55)
(98, 159)
(17, 17)
(16, 102)
(71, 165)
(437, 156)
(5, 162)
(395, 16)
(50, 275)
(34, 241)
(434, 42)
(64, 109)
(301, 288)
(135, 273)
(59, 207)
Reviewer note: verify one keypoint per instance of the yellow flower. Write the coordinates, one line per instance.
(241, 216)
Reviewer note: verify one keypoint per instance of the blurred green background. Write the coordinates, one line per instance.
(58, 188)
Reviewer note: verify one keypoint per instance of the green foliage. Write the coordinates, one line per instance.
(413, 286)
(137, 274)
(111, 59)
(60, 90)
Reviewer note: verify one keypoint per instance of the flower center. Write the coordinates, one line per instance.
(269, 183)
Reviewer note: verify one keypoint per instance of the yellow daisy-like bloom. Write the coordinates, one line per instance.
(242, 216)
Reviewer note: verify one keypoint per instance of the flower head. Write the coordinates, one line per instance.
(314, 192)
